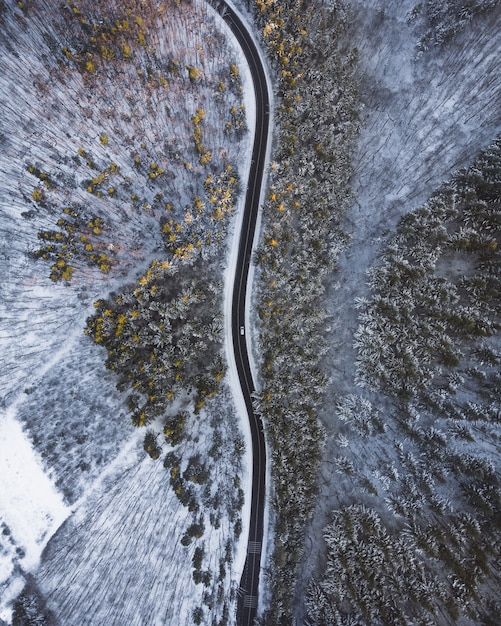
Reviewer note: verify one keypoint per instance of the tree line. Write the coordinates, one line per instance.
(317, 120)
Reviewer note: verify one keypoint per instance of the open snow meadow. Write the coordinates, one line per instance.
(373, 320)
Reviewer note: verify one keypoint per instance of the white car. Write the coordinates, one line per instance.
(242, 330)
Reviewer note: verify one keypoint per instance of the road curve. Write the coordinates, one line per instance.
(249, 583)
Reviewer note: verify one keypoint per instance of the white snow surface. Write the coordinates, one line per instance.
(117, 559)
(30, 505)
(26, 487)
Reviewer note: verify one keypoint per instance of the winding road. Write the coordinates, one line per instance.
(249, 584)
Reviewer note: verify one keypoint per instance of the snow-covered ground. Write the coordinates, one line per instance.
(119, 558)
(31, 508)
(423, 118)
(68, 449)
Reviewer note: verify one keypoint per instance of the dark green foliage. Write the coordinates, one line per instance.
(171, 460)
(186, 493)
(198, 615)
(200, 576)
(77, 239)
(364, 580)
(317, 119)
(173, 427)
(225, 617)
(196, 471)
(151, 446)
(437, 290)
(382, 577)
(30, 609)
(158, 339)
(445, 18)
(425, 552)
(194, 531)
(198, 557)
(237, 528)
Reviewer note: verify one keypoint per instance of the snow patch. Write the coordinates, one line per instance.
(31, 508)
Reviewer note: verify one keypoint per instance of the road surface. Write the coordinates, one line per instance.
(248, 593)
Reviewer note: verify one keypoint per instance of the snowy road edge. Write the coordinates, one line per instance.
(232, 375)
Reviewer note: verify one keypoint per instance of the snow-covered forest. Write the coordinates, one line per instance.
(417, 537)
(421, 114)
(317, 121)
(125, 143)
(124, 138)
(425, 114)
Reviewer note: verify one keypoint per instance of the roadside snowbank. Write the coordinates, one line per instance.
(251, 335)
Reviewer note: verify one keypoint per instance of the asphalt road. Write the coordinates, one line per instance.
(248, 593)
